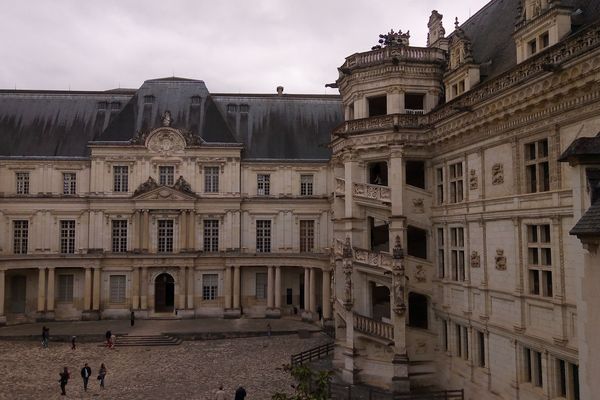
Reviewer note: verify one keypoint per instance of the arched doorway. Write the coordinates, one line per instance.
(164, 293)
(18, 288)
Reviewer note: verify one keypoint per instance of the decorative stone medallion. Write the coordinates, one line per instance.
(500, 260)
(497, 174)
(475, 260)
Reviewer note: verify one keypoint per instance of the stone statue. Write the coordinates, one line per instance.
(475, 259)
(182, 185)
(147, 186)
(166, 118)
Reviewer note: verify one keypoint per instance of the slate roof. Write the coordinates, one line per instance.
(589, 223)
(585, 150)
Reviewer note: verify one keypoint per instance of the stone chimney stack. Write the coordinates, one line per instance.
(279, 90)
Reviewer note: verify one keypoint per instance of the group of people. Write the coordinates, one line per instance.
(86, 373)
(240, 393)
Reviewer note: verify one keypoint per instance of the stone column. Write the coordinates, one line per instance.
(135, 289)
(236, 287)
(183, 234)
(50, 296)
(145, 230)
(144, 287)
(96, 295)
(2, 287)
(182, 286)
(270, 287)
(191, 231)
(313, 291)
(326, 295)
(137, 221)
(306, 289)
(41, 301)
(87, 289)
(396, 185)
(278, 287)
(191, 280)
(350, 176)
(227, 288)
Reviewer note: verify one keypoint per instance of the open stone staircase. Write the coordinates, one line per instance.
(147, 340)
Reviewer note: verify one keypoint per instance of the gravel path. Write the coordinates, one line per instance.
(192, 370)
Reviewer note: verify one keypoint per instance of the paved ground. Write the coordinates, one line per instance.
(191, 370)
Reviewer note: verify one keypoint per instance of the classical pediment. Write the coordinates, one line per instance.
(151, 190)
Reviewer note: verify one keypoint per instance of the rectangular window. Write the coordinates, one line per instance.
(20, 236)
(261, 285)
(166, 174)
(263, 236)
(211, 235)
(211, 179)
(119, 236)
(288, 296)
(209, 286)
(307, 235)
(69, 183)
(439, 184)
(480, 349)
(165, 236)
(306, 185)
(445, 335)
(263, 182)
(457, 253)
(539, 260)
(456, 182)
(545, 40)
(22, 182)
(65, 288)
(532, 46)
(537, 166)
(121, 178)
(532, 367)
(117, 289)
(567, 380)
(67, 237)
(441, 254)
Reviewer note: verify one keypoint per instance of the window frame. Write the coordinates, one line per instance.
(262, 287)
(67, 235)
(69, 183)
(166, 175)
(210, 289)
(120, 178)
(22, 180)
(307, 235)
(306, 184)
(119, 235)
(211, 179)
(539, 259)
(65, 284)
(456, 183)
(263, 235)
(117, 289)
(20, 236)
(263, 184)
(210, 239)
(537, 165)
(165, 236)
(457, 254)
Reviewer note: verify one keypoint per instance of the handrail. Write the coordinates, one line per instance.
(312, 354)
(374, 192)
(373, 327)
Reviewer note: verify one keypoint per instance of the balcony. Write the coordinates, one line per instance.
(390, 122)
(394, 54)
(365, 257)
(372, 327)
(372, 192)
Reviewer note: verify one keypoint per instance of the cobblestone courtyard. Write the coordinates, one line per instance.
(192, 370)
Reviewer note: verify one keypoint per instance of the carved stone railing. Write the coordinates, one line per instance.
(373, 327)
(340, 186)
(389, 122)
(366, 257)
(395, 54)
(373, 192)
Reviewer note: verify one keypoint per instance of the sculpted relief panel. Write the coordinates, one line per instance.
(166, 142)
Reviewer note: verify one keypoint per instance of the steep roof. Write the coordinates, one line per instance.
(296, 127)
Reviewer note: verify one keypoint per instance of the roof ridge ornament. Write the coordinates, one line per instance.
(393, 39)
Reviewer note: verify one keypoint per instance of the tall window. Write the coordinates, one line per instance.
(307, 235)
(20, 236)
(211, 179)
(22, 182)
(532, 367)
(165, 236)
(445, 333)
(209, 286)
(306, 185)
(480, 337)
(567, 380)
(462, 341)
(536, 166)
(263, 236)
(166, 175)
(539, 260)
(117, 288)
(67, 237)
(261, 285)
(263, 182)
(211, 235)
(65, 288)
(441, 254)
(69, 182)
(119, 236)
(456, 182)
(457, 253)
(121, 178)
(439, 185)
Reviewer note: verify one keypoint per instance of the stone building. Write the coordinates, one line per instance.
(424, 211)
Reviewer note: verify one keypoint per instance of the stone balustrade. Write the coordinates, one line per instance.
(389, 122)
(395, 54)
(373, 327)
(372, 192)
(366, 257)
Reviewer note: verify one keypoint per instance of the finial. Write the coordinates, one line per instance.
(456, 24)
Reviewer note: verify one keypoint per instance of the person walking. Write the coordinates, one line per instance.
(220, 394)
(64, 379)
(45, 336)
(269, 330)
(102, 375)
(108, 335)
(132, 318)
(240, 393)
(73, 342)
(86, 372)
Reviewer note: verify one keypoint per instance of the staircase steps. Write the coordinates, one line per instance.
(147, 340)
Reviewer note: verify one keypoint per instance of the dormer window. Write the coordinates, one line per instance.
(196, 100)
(149, 99)
(231, 108)
(102, 105)
(115, 105)
(244, 108)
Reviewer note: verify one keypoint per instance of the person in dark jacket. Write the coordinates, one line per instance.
(64, 379)
(45, 336)
(132, 318)
(86, 372)
(240, 393)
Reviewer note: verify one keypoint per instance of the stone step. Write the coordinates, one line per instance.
(147, 340)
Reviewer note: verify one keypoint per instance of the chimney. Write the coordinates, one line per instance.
(279, 90)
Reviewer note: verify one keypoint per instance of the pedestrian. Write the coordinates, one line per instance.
(320, 312)
(132, 317)
(113, 341)
(86, 372)
(73, 342)
(240, 393)
(108, 335)
(45, 336)
(64, 379)
(102, 375)
(220, 394)
(269, 330)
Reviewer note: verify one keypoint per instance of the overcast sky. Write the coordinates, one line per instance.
(233, 45)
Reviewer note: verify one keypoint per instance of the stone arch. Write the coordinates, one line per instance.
(164, 292)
